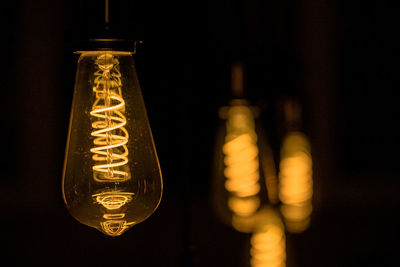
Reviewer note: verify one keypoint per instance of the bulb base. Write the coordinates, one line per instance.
(107, 44)
(104, 39)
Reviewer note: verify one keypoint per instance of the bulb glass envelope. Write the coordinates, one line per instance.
(244, 172)
(296, 182)
(111, 177)
(268, 241)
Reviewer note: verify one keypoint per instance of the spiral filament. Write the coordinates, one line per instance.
(113, 200)
(268, 242)
(110, 150)
(115, 227)
(110, 143)
(295, 182)
(241, 161)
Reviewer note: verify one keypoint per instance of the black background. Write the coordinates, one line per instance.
(339, 58)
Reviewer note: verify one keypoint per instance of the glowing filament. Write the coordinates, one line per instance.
(115, 227)
(241, 161)
(268, 242)
(110, 150)
(295, 182)
(268, 247)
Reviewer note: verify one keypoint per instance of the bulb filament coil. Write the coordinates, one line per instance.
(241, 159)
(115, 227)
(110, 150)
(296, 182)
(241, 162)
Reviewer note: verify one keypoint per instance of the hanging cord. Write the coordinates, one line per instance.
(107, 13)
(237, 84)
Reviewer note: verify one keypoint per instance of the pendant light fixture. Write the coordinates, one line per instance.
(111, 176)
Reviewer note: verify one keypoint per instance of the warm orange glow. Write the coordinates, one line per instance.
(297, 218)
(114, 216)
(268, 244)
(241, 161)
(244, 207)
(111, 176)
(295, 182)
(115, 227)
(113, 200)
(110, 151)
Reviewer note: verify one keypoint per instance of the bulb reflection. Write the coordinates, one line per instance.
(268, 243)
(115, 227)
(295, 182)
(111, 165)
(110, 138)
(241, 160)
(114, 201)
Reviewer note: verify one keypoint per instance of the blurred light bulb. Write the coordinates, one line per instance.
(268, 242)
(295, 170)
(295, 182)
(245, 167)
(111, 177)
(244, 162)
(241, 161)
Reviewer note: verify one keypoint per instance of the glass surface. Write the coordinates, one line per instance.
(111, 177)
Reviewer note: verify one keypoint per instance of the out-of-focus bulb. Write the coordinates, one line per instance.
(244, 171)
(268, 242)
(241, 161)
(245, 177)
(295, 182)
(111, 177)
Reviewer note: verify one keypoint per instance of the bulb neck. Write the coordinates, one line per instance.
(105, 38)
(105, 44)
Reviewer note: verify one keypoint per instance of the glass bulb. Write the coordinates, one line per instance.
(295, 170)
(268, 241)
(296, 182)
(111, 177)
(245, 176)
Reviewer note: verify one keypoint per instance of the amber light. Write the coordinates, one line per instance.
(241, 161)
(268, 242)
(111, 177)
(295, 182)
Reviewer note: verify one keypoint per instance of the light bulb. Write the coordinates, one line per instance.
(111, 177)
(244, 173)
(268, 242)
(295, 171)
(245, 177)
(295, 182)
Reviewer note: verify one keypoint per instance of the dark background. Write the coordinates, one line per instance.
(339, 58)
